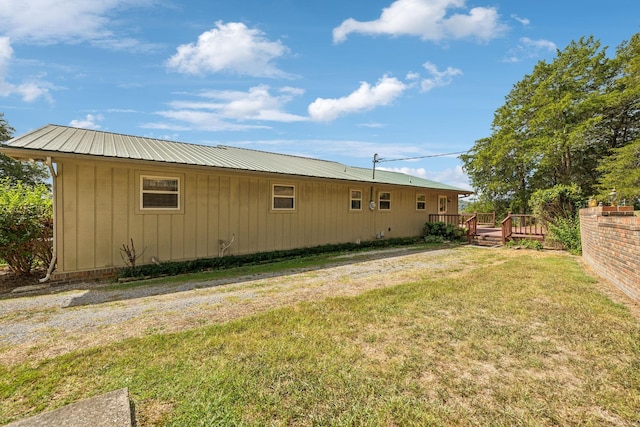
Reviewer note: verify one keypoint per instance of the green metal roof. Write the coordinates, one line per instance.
(54, 140)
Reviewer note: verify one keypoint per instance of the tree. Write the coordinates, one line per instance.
(26, 225)
(558, 124)
(29, 173)
(622, 171)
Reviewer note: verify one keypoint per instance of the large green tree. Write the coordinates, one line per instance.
(557, 125)
(621, 127)
(28, 173)
(621, 171)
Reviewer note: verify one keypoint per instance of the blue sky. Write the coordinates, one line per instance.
(336, 80)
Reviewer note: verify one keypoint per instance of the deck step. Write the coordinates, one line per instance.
(481, 240)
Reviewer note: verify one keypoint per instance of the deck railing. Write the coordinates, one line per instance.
(521, 226)
(488, 219)
(470, 221)
(454, 219)
(471, 224)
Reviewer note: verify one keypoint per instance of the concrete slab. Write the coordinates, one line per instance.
(107, 410)
(29, 288)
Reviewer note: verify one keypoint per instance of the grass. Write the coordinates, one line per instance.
(530, 341)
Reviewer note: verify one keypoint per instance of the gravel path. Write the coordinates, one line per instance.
(40, 326)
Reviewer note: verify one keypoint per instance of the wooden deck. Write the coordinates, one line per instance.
(487, 236)
(481, 230)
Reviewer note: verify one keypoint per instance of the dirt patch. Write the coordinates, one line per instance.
(10, 281)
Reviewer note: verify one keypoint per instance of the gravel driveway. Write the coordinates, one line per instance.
(40, 326)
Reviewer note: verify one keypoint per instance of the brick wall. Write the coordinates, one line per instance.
(85, 276)
(611, 246)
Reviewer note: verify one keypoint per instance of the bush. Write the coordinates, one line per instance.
(525, 243)
(442, 229)
(26, 225)
(172, 268)
(558, 209)
(567, 232)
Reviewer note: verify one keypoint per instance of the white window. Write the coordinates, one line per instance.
(384, 201)
(421, 202)
(356, 200)
(442, 204)
(284, 197)
(158, 192)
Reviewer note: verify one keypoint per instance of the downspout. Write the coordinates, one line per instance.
(54, 255)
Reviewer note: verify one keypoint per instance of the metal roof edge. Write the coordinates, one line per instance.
(358, 174)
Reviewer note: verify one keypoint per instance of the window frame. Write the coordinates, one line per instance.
(423, 202)
(353, 199)
(169, 177)
(446, 204)
(382, 202)
(274, 197)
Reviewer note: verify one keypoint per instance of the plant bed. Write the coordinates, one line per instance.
(9, 280)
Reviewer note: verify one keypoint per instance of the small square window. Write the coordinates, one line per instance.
(356, 200)
(159, 193)
(283, 197)
(421, 202)
(384, 201)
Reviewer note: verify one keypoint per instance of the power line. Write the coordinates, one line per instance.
(377, 159)
(380, 160)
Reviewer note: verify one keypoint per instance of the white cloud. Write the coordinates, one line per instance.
(28, 90)
(523, 21)
(451, 176)
(197, 120)
(429, 20)
(539, 44)
(232, 48)
(229, 110)
(371, 125)
(438, 78)
(528, 48)
(6, 53)
(53, 21)
(89, 122)
(365, 98)
(256, 104)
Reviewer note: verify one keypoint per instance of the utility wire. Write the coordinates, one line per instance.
(379, 160)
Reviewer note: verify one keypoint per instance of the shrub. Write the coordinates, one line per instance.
(567, 232)
(26, 225)
(172, 268)
(444, 230)
(525, 243)
(558, 209)
(433, 239)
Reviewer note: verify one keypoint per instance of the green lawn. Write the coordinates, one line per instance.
(529, 341)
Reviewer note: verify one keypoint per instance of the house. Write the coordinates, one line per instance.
(182, 201)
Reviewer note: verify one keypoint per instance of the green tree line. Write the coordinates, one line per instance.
(574, 120)
(26, 224)
(29, 173)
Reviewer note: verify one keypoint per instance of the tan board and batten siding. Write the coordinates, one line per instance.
(97, 199)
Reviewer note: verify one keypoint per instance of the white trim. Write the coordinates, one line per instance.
(159, 177)
(382, 202)
(446, 204)
(274, 197)
(423, 201)
(353, 199)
